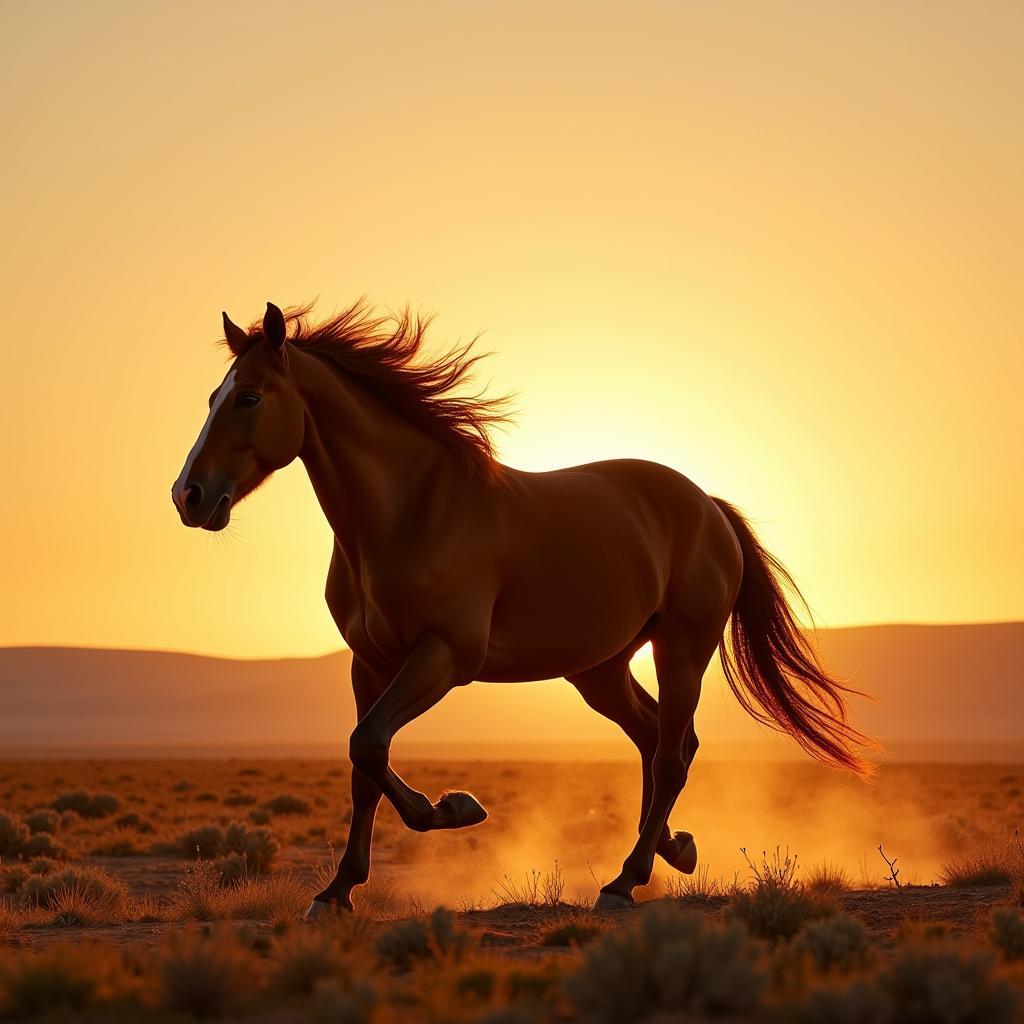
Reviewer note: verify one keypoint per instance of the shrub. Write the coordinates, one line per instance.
(303, 958)
(206, 841)
(337, 1005)
(120, 843)
(983, 866)
(776, 904)
(77, 904)
(132, 820)
(232, 868)
(86, 804)
(277, 901)
(827, 878)
(42, 845)
(206, 976)
(43, 821)
(258, 816)
(258, 846)
(287, 803)
(836, 943)
(13, 877)
(669, 962)
(197, 897)
(1008, 933)
(699, 887)
(239, 800)
(59, 980)
(574, 931)
(14, 834)
(417, 939)
(858, 1003)
(934, 981)
(92, 887)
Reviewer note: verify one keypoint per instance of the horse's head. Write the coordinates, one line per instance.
(255, 426)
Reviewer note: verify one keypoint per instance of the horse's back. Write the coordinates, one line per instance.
(591, 553)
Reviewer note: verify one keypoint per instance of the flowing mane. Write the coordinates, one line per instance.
(386, 356)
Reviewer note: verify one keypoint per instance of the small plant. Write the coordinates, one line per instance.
(434, 938)
(893, 878)
(197, 897)
(669, 963)
(776, 904)
(535, 890)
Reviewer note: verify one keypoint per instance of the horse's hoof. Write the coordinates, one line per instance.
(682, 853)
(612, 901)
(319, 910)
(458, 810)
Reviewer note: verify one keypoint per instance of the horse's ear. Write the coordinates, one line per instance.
(274, 327)
(237, 339)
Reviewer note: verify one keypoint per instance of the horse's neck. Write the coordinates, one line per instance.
(366, 463)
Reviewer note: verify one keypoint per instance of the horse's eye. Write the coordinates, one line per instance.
(248, 400)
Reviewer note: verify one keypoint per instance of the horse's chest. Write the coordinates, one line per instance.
(379, 622)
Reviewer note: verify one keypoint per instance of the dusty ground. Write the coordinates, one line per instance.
(576, 819)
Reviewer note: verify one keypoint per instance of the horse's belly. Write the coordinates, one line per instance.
(558, 631)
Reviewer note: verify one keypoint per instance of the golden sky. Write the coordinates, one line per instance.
(774, 245)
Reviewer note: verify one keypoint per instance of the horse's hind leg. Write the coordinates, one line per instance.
(681, 654)
(612, 691)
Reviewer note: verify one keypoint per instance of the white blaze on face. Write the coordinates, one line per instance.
(218, 400)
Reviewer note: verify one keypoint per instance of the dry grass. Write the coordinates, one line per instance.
(534, 889)
(991, 864)
(699, 887)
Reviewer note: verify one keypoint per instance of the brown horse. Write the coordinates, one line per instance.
(449, 567)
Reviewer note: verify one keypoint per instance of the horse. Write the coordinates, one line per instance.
(449, 567)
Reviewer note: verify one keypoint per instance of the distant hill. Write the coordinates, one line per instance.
(934, 685)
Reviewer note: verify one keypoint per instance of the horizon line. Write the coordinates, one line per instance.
(343, 648)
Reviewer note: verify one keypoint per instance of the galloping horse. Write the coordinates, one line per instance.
(449, 567)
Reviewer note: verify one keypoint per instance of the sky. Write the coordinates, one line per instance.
(774, 246)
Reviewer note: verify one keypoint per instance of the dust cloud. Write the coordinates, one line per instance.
(583, 817)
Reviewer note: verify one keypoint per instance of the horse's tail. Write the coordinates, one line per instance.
(772, 667)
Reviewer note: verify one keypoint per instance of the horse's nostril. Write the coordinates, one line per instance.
(193, 495)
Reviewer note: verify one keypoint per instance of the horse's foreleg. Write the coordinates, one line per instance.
(354, 867)
(428, 674)
(680, 669)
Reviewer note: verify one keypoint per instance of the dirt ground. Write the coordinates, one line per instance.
(576, 820)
